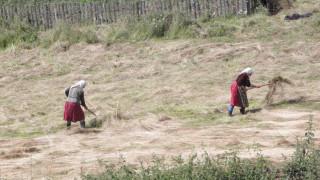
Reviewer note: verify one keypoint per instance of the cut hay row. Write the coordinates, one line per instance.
(277, 83)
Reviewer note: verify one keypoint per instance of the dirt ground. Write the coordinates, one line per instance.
(68, 154)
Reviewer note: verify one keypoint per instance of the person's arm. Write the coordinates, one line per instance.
(255, 86)
(67, 92)
(244, 88)
(83, 103)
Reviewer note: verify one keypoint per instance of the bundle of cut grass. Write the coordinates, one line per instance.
(275, 84)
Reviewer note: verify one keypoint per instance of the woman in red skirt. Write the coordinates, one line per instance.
(239, 91)
(72, 109)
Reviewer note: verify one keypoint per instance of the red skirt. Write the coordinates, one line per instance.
(73, 112)
(235, 96)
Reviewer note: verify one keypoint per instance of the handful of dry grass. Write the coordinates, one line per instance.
(276, 83)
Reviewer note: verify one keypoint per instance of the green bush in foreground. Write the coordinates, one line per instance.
(304, 164)
(69, 35)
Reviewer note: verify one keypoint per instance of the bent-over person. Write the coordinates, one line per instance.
(239, 91)
(72, 109)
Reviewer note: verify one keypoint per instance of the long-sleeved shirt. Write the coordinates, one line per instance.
(81, 96)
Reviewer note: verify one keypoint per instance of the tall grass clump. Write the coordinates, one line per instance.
(69, 35)
(18, 33)
(169, 25)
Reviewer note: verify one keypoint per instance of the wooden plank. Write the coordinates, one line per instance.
(237, 7)
(137, 10)
(9, 14)
(194, 9)
(220, 8)
(169, 5)
(248, 7)
(198, 8)
(141, 7)
(133, 8)
(114, 11)
(183, 6)
(36, 21)
(228, 7)
(100, 13)
(208, 8)
(47, 16)
(63, 13)
(27, 14)
(190, 6)
(1, 12)
(117, 9)
(86, 9)
(90, 12)
(4, 12)
(201, 7)
(58, 12)
(225, 9)
(109, 12)
(70, 5)
(68, 13)
(39, 16)
(79, 11)
(177, 5)
(50, 16)
(15, 15)
(95, 12)
(127, 10)
(55, 13)
(232, 2)
(105, 17)
(242, 6)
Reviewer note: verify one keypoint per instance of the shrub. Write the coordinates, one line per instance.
(17, 32)
(305, 164)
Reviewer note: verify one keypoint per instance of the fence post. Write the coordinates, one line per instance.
(170, 5)
(248, 7)
(137, 11)
(109, 11)
(198, 8)
(104, 12)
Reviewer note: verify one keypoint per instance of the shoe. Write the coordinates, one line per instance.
(230, 113)
(68, 125)
(83, 124)
(242, 111)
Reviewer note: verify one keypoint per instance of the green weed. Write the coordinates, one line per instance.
(305, 164)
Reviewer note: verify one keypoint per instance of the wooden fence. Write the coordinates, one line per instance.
(47, 15)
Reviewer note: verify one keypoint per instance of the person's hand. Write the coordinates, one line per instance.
(85, 107)
(258, 86)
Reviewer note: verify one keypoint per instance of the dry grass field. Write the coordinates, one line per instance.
(158, 97)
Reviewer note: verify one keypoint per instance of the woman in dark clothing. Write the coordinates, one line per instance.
(239, 91)
(72, 109)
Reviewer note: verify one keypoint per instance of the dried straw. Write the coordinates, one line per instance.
(276, 83)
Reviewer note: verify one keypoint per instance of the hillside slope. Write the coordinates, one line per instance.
(164, 97)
